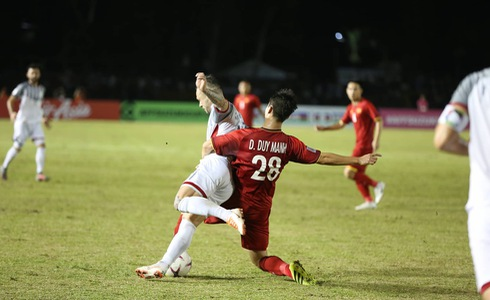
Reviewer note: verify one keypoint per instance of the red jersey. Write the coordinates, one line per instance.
(363, 116)
(245, 104)
(260, 156)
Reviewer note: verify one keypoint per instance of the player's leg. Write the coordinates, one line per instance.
(275, 265)
(179, 244)
(205, 207)
(362, 181)
(357, 174)
(257, 237)
(19, 137)
(212, 182)
(479, 239)
(194, 186)
(38, 139)
(176, 228)
(231, 203)
(182, 240)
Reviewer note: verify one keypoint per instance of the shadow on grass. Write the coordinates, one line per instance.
(196, 278)
(403, 282)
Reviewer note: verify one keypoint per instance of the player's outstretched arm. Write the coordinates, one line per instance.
(332, 159)
(335, 126)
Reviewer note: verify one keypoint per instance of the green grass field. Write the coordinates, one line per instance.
(108, 209)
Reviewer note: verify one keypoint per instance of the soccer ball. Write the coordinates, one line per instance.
(181, 266)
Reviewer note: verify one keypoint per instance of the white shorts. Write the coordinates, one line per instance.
(24, 130)
(212, 178)
(479, 238)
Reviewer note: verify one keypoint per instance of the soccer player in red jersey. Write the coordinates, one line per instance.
(367, 126)
(260, 155)
(246, 102)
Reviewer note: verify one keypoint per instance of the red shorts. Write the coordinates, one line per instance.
(256, 237)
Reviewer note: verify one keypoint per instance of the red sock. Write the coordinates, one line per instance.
(364, 179)
(484, 287)
(275, 265)
(176, 228)
(363, 182)
(364, 190)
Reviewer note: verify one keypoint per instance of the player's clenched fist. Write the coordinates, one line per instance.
(369, 159)
(200, 81)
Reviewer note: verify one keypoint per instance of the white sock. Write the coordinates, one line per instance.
(203, 207)
(180, 243)
(9, 157)
(40, 157)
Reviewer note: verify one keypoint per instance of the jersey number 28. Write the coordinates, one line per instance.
(274, 165)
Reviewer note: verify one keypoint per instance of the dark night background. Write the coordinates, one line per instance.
(152, 49)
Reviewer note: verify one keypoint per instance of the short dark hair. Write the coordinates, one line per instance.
(360, 82)
(212, 81)
(34, 66)
(284, 103)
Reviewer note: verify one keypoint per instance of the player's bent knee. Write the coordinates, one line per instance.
(196, 220)
(348, 174)
(176, 202)
(17, 146)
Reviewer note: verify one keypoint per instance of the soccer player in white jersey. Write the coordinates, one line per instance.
(470, 103)
(28, 120)
(212, 179)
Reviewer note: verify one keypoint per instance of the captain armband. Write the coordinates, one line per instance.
(454, 116)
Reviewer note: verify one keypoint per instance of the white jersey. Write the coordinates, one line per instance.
(221, 122)
(474, 93)
(31, 98)
(213, 177)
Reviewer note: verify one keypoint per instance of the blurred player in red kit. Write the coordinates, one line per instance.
(367, 126)
(246, 102)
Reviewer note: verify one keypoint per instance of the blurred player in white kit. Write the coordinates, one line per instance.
(470, 103)
(28, 120)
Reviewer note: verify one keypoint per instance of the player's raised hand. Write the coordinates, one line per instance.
(200, 81)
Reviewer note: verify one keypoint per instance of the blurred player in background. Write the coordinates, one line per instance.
(79, 95)
(246, 102)
(28, 120)
(470, 103)
(367, 126)
(212, 179)
(260, 156)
